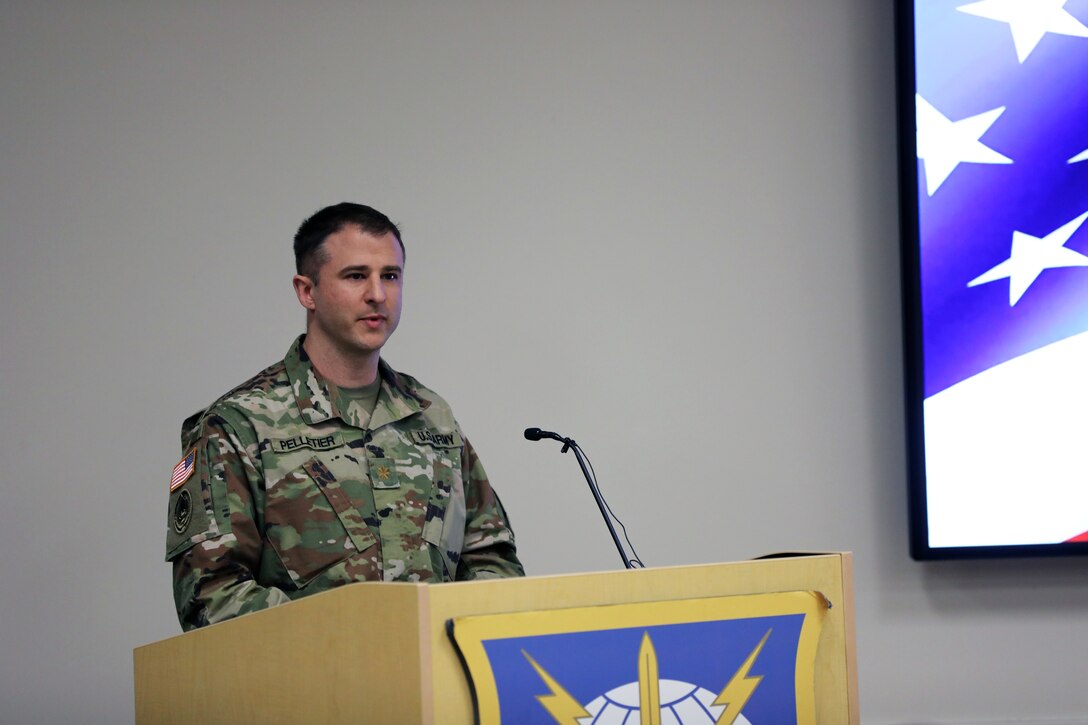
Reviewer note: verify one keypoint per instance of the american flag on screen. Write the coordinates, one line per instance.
(1002, 122)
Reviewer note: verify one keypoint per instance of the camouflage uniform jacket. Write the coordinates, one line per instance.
(283, 492)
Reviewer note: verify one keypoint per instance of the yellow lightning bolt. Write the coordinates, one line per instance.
(649, 693)
(740, 688)
(560, 705)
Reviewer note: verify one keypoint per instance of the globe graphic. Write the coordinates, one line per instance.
(682, 703)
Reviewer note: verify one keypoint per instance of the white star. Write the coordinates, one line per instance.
(1029, 20)
(1031, 255)
(943, 144)
(1082, 156)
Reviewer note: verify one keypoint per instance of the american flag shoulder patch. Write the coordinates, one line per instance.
(183, 470)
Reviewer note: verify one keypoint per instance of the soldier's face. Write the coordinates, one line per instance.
(356, 302)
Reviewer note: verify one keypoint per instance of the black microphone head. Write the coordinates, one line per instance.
(532, 434)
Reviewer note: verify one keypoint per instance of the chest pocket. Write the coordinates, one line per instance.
(420, 506)
(444, 525)
(316, 518)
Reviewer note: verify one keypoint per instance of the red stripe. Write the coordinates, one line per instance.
(1078, 538)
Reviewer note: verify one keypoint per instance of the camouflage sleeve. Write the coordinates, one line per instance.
(216, 552)
(489, 551)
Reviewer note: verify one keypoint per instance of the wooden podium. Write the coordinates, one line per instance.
(379, 652)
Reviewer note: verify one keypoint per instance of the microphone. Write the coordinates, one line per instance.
(535, 434)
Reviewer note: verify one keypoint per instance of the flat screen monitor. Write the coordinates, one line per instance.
(993, 131)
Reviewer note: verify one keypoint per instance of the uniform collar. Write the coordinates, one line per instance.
(319, 401)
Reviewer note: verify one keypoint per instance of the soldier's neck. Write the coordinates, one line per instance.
(340, 369)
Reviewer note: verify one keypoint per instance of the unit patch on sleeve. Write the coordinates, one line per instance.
(183, 512)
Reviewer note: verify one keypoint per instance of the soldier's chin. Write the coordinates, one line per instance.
(371, 341)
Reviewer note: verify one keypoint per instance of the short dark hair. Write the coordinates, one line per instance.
(311, 236)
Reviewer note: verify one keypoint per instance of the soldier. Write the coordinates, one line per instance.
(330, 467)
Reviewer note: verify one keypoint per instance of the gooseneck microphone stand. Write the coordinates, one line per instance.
(535, 434)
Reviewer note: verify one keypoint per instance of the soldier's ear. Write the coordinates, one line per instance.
(304, 290)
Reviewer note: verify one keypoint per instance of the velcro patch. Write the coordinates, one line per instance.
(189, 519)
(183, 470)
(181, 512)
(317, 443)
(437, 438)
(383, 473)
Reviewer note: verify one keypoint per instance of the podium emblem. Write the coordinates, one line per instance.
(740, 660)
